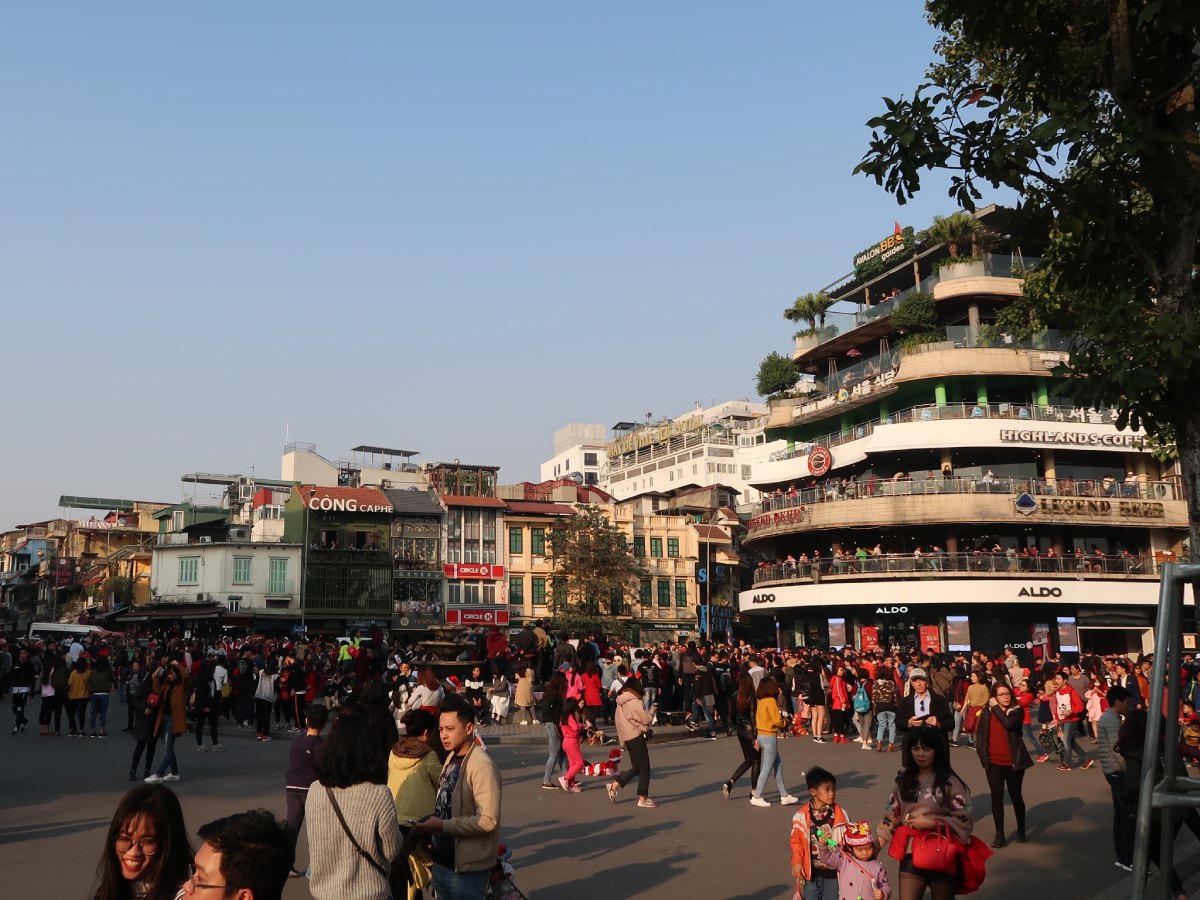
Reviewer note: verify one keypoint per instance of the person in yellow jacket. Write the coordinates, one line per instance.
(79, 691)
(414, 772)
(768, 720)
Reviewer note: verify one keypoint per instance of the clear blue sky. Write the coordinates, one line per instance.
(449, 227)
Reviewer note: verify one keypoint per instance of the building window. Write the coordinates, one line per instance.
(454, 593)
(189, 570)
(646, 597)
(681, 593)
(591, 478)
(673, 548)
(538, 591)
(241, 569)
(516, 541)
(537, 541)
(656, 547)
(177, 520)
(516, 590)
(745, 473)
(589, 459)
(639, 546)
(664, 593)
(277, 577)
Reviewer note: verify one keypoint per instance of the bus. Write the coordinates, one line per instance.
(60, 631)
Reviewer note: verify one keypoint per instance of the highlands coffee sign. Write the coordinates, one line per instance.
(1073, 438)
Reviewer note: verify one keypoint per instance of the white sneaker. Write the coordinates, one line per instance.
(866, 746)
(788, 800)
(170, 777)
(524, 722)
(759, 801)
(153, 779)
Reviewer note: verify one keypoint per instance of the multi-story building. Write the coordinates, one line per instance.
(718, 445)
(348, 577)
(418, 582)
(579, 453)
(939, 491)
(473, 561)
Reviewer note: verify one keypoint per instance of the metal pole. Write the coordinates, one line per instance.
(303, 561)
(708, 590)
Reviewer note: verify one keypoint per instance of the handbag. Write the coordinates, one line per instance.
(935, 850)
(153, 699)
(47, 691)
(395, 876)
(971, 719)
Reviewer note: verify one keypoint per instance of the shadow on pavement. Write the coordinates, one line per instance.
(18, 833)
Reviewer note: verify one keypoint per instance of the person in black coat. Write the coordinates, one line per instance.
(1003, 756)
(922, 706)
(143, 723)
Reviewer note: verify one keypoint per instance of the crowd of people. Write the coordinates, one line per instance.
(401, 794)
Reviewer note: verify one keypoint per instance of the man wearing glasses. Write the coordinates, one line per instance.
(246, 856)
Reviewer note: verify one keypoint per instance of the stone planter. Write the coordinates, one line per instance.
(806, 343)
(953, 271)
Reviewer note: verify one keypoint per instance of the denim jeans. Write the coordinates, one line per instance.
(885, 723)
(1029, 732)
(702, 705)
(451, 885)
(1123, 820)
(771, 765)
(651, 694)
(1070, 735)
(99, 711)
(821, 889)
(168, 761)
(958, 723)
(555, 758)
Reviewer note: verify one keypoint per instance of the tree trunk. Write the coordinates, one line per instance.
(1187, 442)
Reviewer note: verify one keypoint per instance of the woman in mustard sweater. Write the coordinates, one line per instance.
(768, 721)
(78, 692)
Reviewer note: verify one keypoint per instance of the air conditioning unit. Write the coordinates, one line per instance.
(205, 539)
(200, 597)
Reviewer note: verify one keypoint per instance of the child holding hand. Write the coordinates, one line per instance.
(860, 875)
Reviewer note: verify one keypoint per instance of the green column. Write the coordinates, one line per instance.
(981, 392)
(845, 424)
(939, 393)
(1043, 392)
(883, 409)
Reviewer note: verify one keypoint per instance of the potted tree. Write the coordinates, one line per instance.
(960, 232)
(810, 308)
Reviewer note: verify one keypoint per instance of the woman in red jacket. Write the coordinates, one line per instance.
(839, 705)
(1004, 757)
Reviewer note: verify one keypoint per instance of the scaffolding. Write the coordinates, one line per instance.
(1174, 790)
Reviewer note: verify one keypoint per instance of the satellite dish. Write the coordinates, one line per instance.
(412, 487)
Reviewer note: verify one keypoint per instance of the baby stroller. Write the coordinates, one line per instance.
(502, 886)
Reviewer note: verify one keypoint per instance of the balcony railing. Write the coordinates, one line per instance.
(979, 563)
(996, 265)
(1020, 412)
(318, 556)
(851, 489)
(281, 588)
(372, 606)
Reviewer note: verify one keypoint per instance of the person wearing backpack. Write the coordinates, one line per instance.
(862, 706)
(883, 699)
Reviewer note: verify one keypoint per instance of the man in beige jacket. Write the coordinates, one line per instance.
(465, 825)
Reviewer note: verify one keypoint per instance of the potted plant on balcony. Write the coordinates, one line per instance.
(958, 231)
(810, 308)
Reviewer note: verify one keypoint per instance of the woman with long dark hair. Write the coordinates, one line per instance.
(767, 722)
(927, 793)
(144, 714)
(351, 805)
(100, 685)
(1003, 756)
(553, 697)
(744, 708)
(633, 721)
(146, 851)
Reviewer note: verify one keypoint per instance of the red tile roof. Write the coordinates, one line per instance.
(711, 533)
(459, 500)
(373, 499)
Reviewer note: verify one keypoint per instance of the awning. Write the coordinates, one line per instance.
(190, 612)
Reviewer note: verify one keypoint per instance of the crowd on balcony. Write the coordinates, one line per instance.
(947, 482)
(933, 560)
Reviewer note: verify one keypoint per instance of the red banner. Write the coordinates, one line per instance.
(473, 570)
(870, 638)
(477, 615)
(931, 638)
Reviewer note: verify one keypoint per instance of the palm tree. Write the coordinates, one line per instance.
(810, 308)
(957, 229)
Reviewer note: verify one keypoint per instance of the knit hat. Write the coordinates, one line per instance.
(859, 835)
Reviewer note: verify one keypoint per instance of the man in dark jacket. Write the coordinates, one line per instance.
(923, 707)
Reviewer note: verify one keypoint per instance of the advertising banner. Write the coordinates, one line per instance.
(931, 638)
(870, 638)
